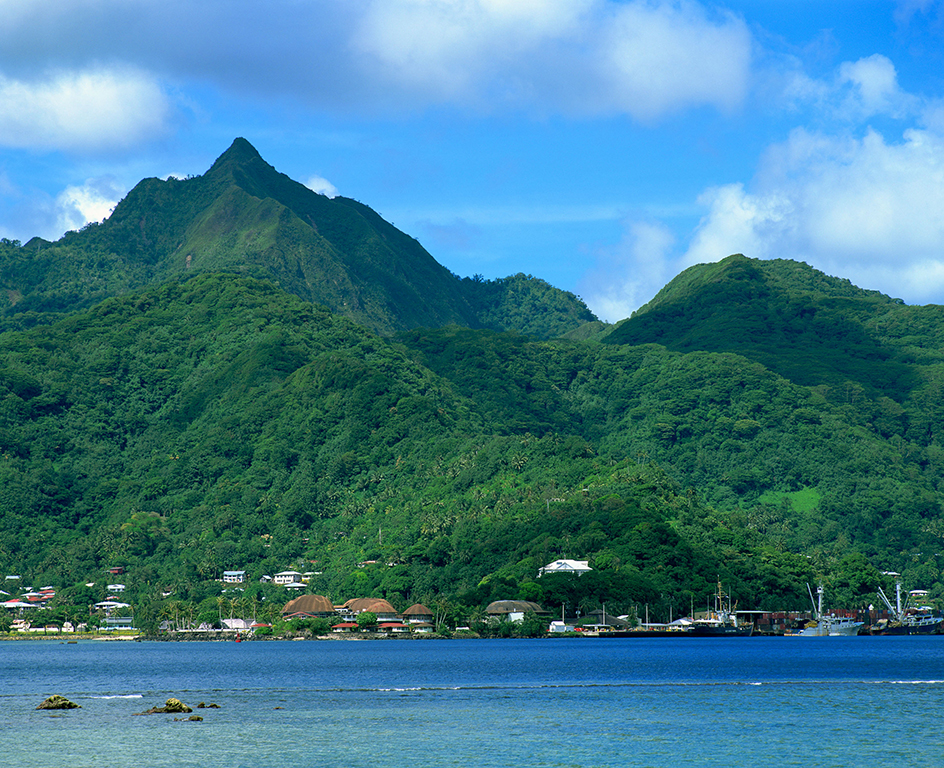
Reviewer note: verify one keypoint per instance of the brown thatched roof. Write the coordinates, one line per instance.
(417, 609)
(313, 604)
(372, 604)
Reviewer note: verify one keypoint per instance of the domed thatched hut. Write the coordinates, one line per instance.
(513, 610)
(417, 614)
(308, 606)
(376, 605)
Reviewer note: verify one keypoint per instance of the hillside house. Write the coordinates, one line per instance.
(234, 577)
(287, 577)
(578, 567)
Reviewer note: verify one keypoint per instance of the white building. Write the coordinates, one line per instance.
(566, 566)
(234, 577)
(287, 577)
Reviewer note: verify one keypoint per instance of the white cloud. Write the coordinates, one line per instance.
(91, 109)
(76, 206)
(874, 89)
(637, 57)
(322, 186)
(660, 57)
(866, 209)
(628, 275)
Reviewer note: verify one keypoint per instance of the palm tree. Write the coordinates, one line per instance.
(220, 603)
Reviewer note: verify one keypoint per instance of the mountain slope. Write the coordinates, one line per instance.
(244, 216)
(221, 423)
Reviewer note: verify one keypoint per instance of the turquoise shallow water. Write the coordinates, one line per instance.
(561, 702)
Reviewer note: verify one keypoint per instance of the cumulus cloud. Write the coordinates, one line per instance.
(641, 57)
(863, 208)
(874, 89)
(92, 109)
(629, 274)
(25, 213)
(322, 186)
(93, 201)
(644, 59)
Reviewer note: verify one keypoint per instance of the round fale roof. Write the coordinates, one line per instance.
(513, 606)
(372, 604)
(309, 604)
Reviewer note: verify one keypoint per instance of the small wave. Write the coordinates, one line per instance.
(120, 696)
(397, 690)
(916, 682)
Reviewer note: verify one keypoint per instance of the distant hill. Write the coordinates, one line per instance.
(243, 216)
(809, 328)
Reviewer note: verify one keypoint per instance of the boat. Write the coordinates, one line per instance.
(721, 621)
(907, 619)
(823, 625)
(677, 628)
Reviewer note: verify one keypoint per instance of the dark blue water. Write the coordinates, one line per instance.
(561, 702)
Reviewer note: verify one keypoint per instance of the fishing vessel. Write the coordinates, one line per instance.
(907, 619)
(721, 621)
(823, 625)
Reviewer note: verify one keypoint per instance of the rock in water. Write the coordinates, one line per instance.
(171, 706)
(58, 702)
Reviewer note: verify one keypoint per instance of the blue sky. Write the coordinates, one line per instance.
(601, 145)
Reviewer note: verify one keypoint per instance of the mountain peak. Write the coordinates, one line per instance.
(243, 164)
(240, 152)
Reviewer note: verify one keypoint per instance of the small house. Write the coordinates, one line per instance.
(234, 577)
(287, 577)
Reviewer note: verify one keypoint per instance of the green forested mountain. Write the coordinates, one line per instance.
(245, 217)
(222, 423)
(811, 329)
(758, 422)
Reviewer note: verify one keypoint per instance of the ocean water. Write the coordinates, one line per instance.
(557, 702)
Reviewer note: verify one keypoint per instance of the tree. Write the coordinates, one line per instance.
(367, 620)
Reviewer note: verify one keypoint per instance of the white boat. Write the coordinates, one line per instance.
(826, 626)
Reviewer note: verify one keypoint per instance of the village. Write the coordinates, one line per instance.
(295, 611)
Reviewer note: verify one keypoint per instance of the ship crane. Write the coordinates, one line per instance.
(817, 607)
(894, 609)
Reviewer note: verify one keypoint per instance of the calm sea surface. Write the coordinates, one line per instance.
(564, 702)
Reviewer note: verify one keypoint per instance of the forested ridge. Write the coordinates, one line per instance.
(243, 216)
(757, 422)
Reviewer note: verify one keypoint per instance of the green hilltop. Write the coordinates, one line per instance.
(233, 372)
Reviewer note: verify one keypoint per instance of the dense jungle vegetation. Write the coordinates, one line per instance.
(757, 422)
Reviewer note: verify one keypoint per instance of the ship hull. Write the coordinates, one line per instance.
(920, 628)
(723, 631)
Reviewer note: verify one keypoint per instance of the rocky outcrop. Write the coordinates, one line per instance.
(171, 707)
(58, 702)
